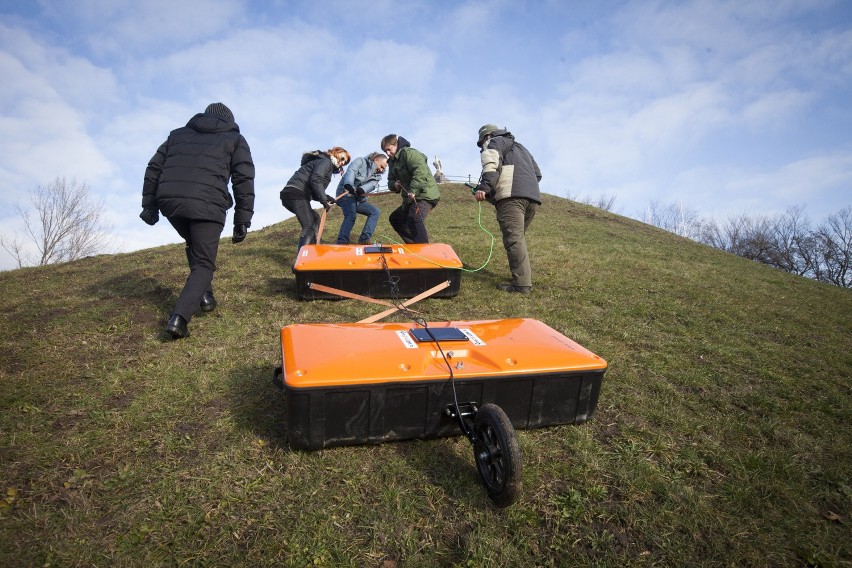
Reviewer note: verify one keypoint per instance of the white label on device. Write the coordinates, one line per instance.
(406, 339)
(472, 336)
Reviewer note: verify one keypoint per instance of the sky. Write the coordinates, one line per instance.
(725, 107)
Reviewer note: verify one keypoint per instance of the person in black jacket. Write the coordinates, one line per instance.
(309, 182)
(187, 181)
(509, 180)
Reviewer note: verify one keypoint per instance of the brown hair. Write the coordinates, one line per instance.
(340, 154)
(389, 139)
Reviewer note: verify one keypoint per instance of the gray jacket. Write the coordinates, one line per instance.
(360, 173)
(508, 169)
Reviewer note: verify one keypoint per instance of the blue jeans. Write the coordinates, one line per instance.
(351, 209)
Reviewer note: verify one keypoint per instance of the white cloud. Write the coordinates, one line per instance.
(736, 103)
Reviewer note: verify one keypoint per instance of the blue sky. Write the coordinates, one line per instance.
(726, 107)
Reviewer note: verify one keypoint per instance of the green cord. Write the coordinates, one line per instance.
(487, 260)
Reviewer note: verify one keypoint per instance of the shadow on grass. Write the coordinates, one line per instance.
(257, 405)
(133, 286)
(442, 466)
(283, 286)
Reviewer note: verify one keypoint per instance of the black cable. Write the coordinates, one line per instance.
(452, 381)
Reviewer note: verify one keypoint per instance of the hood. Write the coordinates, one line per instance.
(202, 122)
(402, 143)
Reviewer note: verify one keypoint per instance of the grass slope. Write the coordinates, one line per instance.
(723, 434)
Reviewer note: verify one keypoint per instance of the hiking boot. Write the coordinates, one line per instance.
(177, 327)
(514, 289)
(208, 302)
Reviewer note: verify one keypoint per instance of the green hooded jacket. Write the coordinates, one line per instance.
(410, 168)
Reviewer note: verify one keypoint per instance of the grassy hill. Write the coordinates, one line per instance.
(723, 434)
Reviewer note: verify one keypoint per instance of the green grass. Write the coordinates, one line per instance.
(723, 433)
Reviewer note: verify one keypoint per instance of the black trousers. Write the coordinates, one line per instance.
(202, 246)
(307, 217)
(409, 221)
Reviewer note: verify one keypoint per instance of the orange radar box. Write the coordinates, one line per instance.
(377, 271)
(355, 383)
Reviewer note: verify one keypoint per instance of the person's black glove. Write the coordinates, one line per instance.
(240, 232)
(358, 191)
(150, 216)
(350, 189)
(327, 204)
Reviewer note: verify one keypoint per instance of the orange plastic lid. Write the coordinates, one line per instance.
(349, 354)
(356, 257)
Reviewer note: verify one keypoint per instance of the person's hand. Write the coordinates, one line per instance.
(480, 195)
(397, 186)
(150, 216)
(349, 188)
(358, 191)
(411, 196)
(326, 205)
(240, 232)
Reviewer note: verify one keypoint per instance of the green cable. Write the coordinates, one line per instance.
(487, 260)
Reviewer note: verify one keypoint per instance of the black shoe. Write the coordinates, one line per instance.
(515, 289)
(208, 302)
(177, 327)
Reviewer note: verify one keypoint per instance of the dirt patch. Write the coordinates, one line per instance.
(120, 401)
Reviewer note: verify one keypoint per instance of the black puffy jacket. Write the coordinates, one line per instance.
(311, 179)
(188, 176)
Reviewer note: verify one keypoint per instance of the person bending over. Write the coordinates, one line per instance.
(409, 175)
(362, 177)
(309, 183)
(509, 180)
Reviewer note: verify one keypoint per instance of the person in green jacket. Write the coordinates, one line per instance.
(409, 175)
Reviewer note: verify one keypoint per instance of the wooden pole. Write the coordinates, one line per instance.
(417, 298)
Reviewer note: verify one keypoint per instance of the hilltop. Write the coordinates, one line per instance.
(723, 433)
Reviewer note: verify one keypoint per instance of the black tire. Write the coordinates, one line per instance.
(497, 454)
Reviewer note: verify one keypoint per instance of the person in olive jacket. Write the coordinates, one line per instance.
(409, 175)
(509, 180)
(309, 182)
(187, 181)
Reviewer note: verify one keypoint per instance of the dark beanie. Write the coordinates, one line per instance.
(220, 110)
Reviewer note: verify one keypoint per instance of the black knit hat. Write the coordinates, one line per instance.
(220, 110)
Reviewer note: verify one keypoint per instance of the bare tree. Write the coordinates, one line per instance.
(64, 223)
(790, 232)
(675, 218)
(835, 238)
(604, 201)
(788, 242)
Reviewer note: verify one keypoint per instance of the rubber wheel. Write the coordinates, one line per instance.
(497, 454)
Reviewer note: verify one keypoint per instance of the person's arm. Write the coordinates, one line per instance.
(370, 184)
(420, 174)
(491, 161)
(242, 182)
(392, 176)
(349, 181)
(535, 167)
(152, 177)
(319, 179)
